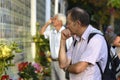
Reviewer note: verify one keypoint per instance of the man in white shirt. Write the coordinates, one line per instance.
(54, 35)
(80, 60)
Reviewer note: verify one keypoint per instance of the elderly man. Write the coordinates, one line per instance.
(54, 35)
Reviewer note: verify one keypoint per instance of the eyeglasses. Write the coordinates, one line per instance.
(71, 23)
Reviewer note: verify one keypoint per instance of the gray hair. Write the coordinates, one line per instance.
(77, 13)
(61, 17)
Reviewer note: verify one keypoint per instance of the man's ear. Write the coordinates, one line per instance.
(78, 22)
(61, 22)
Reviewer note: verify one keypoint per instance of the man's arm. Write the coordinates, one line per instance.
(78, 67)
(63, 60)
(45, 26)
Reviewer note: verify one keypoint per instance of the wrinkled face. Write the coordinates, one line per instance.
(55, 21)
(71, 25)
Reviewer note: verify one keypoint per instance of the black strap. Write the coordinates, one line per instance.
(89, 37)
(74, 43)
(100, 70)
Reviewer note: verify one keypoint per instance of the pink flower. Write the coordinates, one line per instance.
(38, 67)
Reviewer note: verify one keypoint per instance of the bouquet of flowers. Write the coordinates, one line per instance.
(6, 56)
(42, 55)
(28, 70)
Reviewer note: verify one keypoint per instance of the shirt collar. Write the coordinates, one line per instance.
(76, 38)
(85, 34)
(62, 28)
(90, 29)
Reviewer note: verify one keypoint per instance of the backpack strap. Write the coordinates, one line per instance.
(89, 37)
(113, 63)
(100, 70)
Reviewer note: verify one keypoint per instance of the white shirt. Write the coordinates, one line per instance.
(54, 38)
(92, 52)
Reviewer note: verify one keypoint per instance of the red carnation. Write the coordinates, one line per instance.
(5, 77)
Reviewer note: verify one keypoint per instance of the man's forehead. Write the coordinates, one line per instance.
(69, 18)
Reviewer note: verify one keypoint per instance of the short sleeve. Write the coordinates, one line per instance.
(47, 32)
(93, 50)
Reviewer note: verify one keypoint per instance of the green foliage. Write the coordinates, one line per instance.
(42, 47)
(114, 3)
(7, 53)
(99, 10)
(28, 73)
(47, 71)
(42, 43)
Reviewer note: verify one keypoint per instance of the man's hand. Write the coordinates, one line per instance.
(50, 21)
(46, 25)
(65, 34)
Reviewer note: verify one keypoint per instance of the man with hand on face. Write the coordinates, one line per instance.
(80, 60)
(54, 35)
